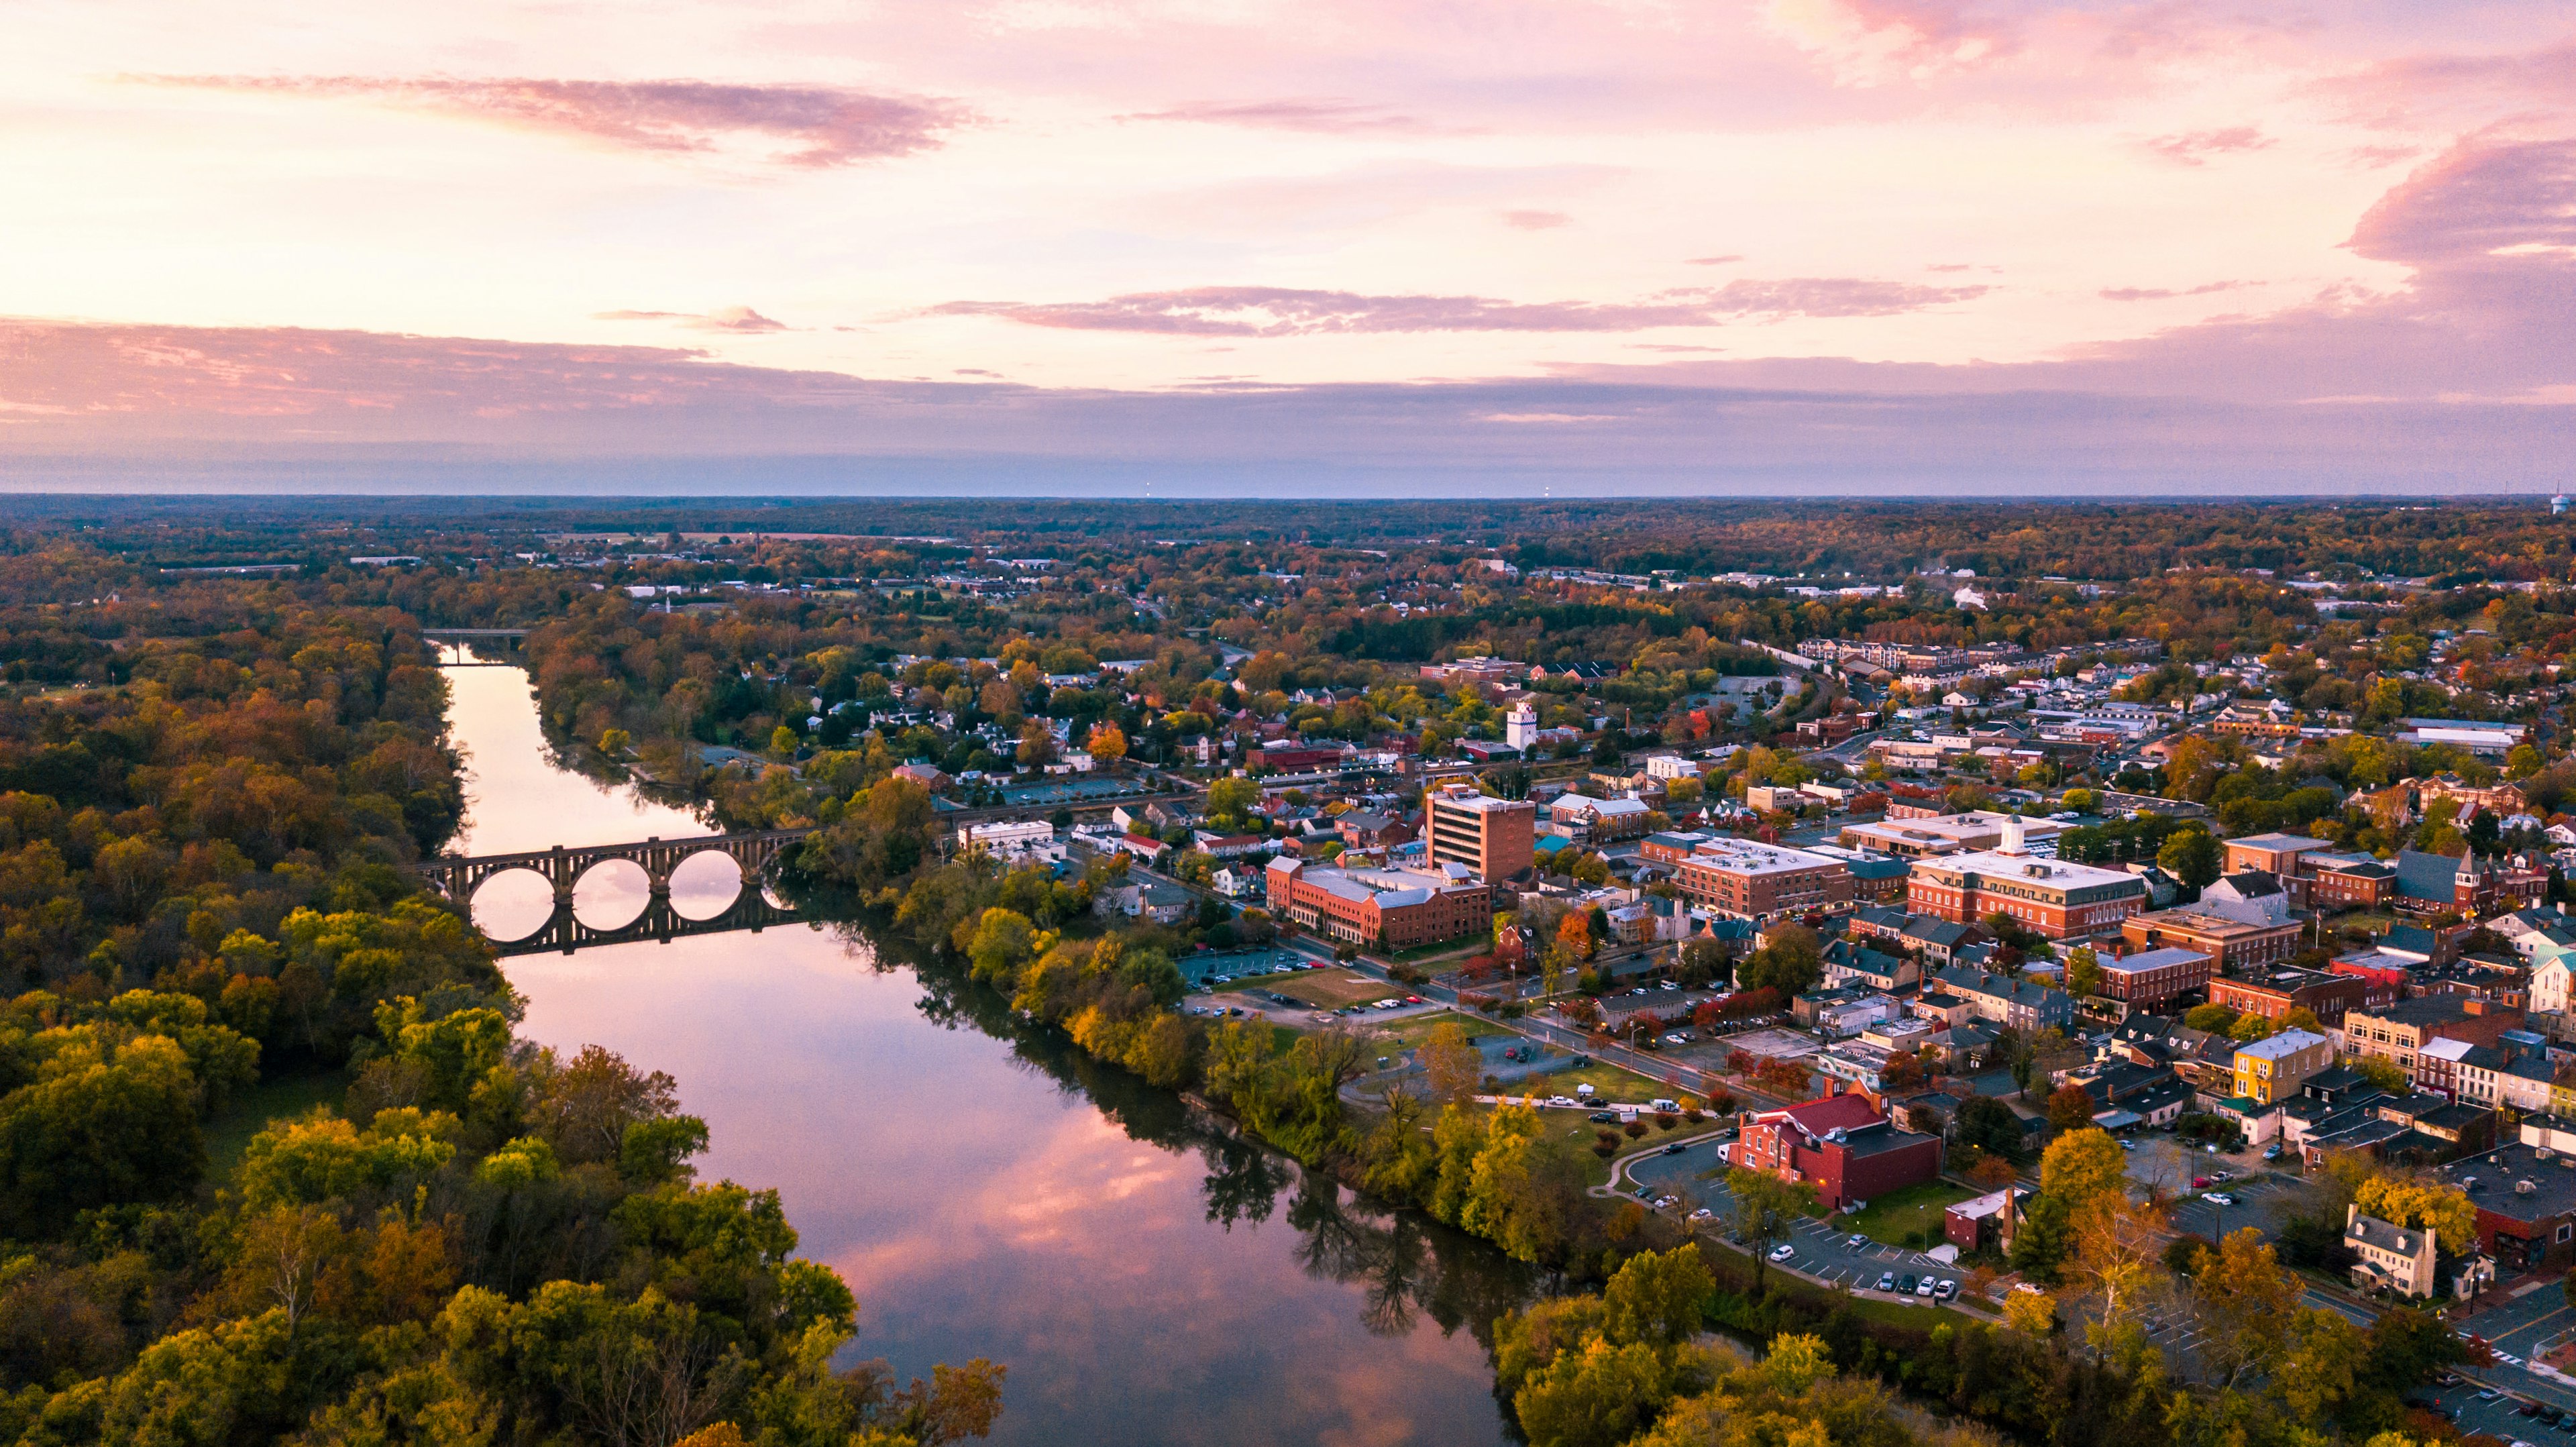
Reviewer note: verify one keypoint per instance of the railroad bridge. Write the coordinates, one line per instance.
(754, 854)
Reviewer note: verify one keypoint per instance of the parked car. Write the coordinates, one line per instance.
(2200, 1183)
(1605, 1117)
(1676, 1148)
(1905, 1286)
(1926, 1288)
(1702, 1214)
(1783, 1251)
(1887, 1281)
(2219, 1198)
(1946, 1290)
(1856, 1241)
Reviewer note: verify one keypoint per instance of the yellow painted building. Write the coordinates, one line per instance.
(2271, 1070)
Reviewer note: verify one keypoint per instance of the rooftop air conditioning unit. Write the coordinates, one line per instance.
(2543, 1153)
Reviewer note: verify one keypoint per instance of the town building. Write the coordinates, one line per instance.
(1747, 879)
(1380, 908)
(2396, 1033)
(1924, 837)
(2231, 944)
(1985, 1223)
(2050, 898)
(2525, 1195)
(2468, 885)
(1491, 837)
(2276, 992)
(1600, 819)
(2390, 1258)
(1843, 1145)
(2024, 1005)
(2272, 1069)
(2152, 977)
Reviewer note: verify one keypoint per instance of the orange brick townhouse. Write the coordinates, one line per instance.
(1393, 909)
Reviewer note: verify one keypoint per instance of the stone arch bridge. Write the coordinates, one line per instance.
(755, 855)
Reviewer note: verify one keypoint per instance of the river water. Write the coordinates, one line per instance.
(985, 1189)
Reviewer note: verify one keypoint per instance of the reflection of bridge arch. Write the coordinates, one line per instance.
(754, 855)
(564, 931)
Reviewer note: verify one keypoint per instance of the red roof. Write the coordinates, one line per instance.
(1845, 1112)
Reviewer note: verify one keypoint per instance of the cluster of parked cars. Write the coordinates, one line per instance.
(1937, 1288)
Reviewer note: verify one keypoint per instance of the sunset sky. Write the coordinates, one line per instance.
(1802, 245)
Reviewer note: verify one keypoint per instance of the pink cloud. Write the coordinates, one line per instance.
(1325, 115)
(1259, 311)
(2157, 293)
(824, 126)
(723, 319)
(1535, 220)
(2192, 148)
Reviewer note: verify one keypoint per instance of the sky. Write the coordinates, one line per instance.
(1235, 246)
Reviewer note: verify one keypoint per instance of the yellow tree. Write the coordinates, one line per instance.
(2118, 1245)
(2443, 1209)
(2246, 1302)
(2032, 1313)
(1107, 744)
(1451, 1067)
(2082, 1164)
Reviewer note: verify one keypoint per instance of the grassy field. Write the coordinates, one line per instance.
(1414, 1029)
(1321, 989)
(1899, 1217)
(247, 1114)
(1609, 1082)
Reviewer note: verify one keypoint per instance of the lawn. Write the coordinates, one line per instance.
(1901, 1217)
(1321, 989)
(1609, 1082)
(1414, 1029)
(247, 1114)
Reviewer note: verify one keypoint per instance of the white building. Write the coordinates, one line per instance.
(1671, 766)
(1520, 726)
(1010, 836)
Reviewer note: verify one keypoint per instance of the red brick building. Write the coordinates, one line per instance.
(2231, 944)
(1842, 1145)
(1745, 879)
(1380, 908)
(2275, 993)
(2049, 897)
(2149, 978)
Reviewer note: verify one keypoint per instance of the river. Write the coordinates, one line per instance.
(985, 1189)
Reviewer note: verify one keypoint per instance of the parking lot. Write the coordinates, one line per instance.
(1818, 1249)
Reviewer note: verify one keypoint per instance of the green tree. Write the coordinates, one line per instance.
(2083, 972)
(1765, 1208)
(2192, 856)
(1790, 961)
(1658, 1298)
(1230, 801)
(115, 1129)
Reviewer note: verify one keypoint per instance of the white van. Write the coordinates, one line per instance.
(1668, 1105)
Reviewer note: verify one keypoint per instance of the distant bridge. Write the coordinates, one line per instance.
(754, 855)
(457, 641)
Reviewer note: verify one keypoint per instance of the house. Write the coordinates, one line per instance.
(2391, 1258)
(927, 776)
(1601, 818)
(2254, 896)
(1843, 1145)
(1848, 962)
(2024, 1005)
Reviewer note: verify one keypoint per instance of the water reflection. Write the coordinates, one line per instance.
(988, 1190)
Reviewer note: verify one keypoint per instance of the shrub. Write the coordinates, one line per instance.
(1666, 1120)
(1634, 1128)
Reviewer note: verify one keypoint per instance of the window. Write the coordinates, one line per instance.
(2565, 1231)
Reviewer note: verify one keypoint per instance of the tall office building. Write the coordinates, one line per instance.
(1488, 835)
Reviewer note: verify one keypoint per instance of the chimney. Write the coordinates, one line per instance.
(2012, 840)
